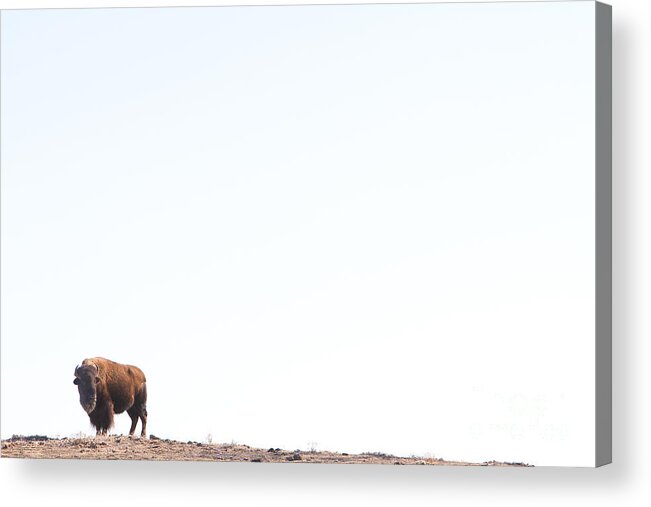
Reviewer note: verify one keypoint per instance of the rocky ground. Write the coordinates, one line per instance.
(160, 449)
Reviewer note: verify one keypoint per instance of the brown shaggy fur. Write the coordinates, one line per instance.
(118, 387)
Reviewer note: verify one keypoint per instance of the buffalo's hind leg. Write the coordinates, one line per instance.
(139, 410)
(133, 413)
(142, 404)
(143, 418)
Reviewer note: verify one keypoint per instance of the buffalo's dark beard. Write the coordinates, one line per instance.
(88, 400)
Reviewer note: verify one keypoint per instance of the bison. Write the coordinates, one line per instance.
(107, 388)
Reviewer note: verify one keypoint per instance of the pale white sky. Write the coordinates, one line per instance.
(369, 227)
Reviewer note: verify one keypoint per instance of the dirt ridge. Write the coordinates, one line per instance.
(116, 447)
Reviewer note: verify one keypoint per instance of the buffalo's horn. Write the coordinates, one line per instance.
(76, 368)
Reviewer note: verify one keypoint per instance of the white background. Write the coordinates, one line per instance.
(622, 482)
(339, 227)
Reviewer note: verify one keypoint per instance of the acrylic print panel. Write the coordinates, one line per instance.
(352, 233)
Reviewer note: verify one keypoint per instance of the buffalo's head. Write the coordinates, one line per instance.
(86, 380)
